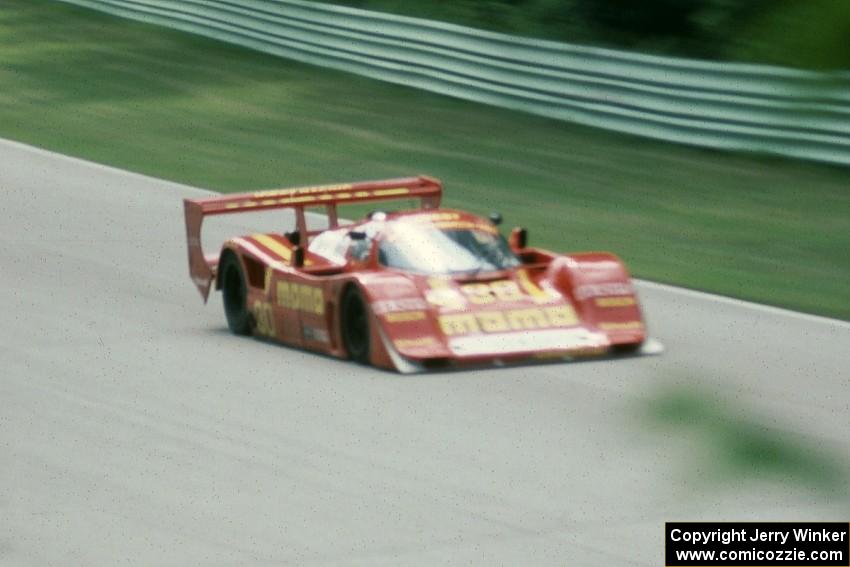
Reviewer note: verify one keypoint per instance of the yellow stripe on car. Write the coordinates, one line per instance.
(273, 245)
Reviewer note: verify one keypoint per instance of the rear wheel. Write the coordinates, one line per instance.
(355, 325)
(235, 295)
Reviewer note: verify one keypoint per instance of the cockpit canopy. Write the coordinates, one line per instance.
(418, 244)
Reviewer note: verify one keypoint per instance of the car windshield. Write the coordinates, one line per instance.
(424, 248)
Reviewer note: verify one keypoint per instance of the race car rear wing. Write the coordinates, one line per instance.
(202, 268)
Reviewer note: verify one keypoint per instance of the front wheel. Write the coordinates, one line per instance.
(355, 325)
(626, 349)
(235, 295)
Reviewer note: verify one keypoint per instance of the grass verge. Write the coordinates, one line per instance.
(205, 113)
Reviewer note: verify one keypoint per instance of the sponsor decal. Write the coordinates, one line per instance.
(587, 291)
(292, 197)
(390, 192)
(395, 305)
(405, 316)
(510, 320)
(436, 217)
(300, 297)
(627, 326)
(417, 342)
(620, 301)
(466, 225)
(264, 317)
(461, 324)
(302, 191)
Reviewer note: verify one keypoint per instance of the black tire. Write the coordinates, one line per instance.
(234, 295)
(626, 349)
(355, 325)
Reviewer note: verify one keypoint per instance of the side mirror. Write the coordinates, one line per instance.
(518, 238)
(496, 218)
(297, 257)
(294, 237)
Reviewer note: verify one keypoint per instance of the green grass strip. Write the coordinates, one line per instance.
(205, 113)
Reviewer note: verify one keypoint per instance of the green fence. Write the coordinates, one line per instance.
(719, 105)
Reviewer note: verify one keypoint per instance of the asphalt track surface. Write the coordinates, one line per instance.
(134, 430)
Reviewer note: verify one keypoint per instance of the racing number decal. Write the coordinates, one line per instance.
(502, 290)
(442, 295)
(478, 293)
(264, 317)
(506, 290)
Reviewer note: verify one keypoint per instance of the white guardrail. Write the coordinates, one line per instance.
(743, 107)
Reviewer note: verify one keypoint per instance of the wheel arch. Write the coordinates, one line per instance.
(371, 287)
(601, 289)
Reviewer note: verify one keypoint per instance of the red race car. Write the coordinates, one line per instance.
(412, 289)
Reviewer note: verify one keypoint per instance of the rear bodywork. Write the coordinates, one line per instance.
(549, 307)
